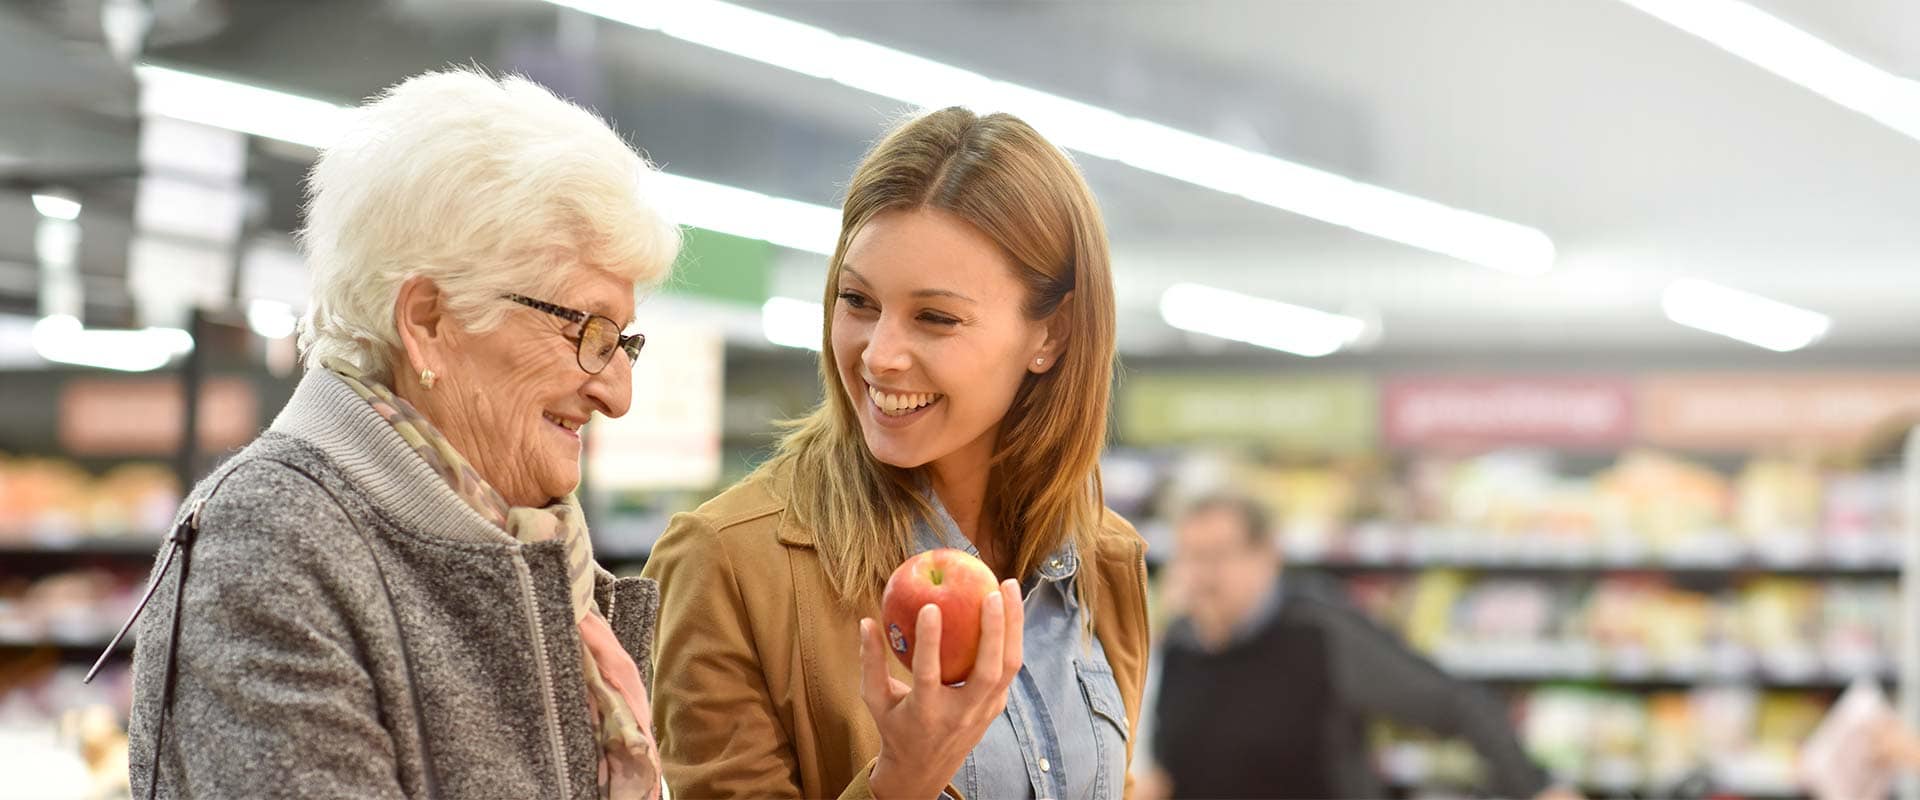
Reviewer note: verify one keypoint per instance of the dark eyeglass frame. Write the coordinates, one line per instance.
(630, 342)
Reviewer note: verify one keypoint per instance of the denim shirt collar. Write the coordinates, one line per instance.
(1063, 564)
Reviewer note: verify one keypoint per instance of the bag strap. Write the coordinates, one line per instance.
(180, 542)
(399, 633)
(180, 538)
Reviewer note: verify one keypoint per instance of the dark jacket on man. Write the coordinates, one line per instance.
(1282, 710)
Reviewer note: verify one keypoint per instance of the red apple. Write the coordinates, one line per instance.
(955, 581)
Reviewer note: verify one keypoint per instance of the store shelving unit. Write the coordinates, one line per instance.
(117, 546)
(1805, 567)
(1524, 669)
(83, 647)
(33, 556)
(1630, 788)
(1682, 618)
(1660, 679)
(1909, 649)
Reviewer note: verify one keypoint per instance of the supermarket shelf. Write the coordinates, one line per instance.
(622, 555)
(132, 546)
(626, 539)
(1621, 780)
(1550, 565)
(1386, 547)
(1401, 788)
(1657, 680)
(1553, 665)
(84, 646)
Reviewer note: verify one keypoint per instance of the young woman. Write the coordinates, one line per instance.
(967, 365)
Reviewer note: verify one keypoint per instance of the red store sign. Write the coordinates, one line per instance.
(1592, 412)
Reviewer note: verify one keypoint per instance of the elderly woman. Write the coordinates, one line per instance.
(391, 592)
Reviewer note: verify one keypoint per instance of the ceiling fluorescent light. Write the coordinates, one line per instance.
(791, 323)
(62, 339)
(53, 206)
(271, 319)
(1267, 323)
(740, 212)
(1800, 57)
(239, 107)
(783, 43)
(317, 123)
(1741, 315)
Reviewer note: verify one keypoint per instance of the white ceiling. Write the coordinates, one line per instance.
(1644, 152)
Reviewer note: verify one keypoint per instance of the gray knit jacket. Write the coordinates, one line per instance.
(290, 679)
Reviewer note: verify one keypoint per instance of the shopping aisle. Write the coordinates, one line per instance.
(1661, 608)
(1569, 346)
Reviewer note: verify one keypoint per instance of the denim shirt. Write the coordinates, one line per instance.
(1064, 732)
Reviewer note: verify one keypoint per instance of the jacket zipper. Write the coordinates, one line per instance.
(541, 667)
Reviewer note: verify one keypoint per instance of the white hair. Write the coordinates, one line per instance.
(486, 186)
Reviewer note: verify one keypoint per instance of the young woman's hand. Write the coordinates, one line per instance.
(927, 729)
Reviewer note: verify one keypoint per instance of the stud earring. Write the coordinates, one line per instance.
(427, 378)
(1039, 362)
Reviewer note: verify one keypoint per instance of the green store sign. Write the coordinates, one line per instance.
(1335, 413)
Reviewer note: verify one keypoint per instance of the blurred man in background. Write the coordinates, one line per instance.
(1263, 690)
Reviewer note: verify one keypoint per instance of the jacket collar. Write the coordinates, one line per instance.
(942, 531)
(791, 532)
(328, 415)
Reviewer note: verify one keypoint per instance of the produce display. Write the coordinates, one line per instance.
(57, 733)
(43, 499)
(1524, 506)
(1660, 625)
(1727, 740)
(73, 608)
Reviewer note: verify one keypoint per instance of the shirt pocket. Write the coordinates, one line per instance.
(1110, 730)
(1103, 696)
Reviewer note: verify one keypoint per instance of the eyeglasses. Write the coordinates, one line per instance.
(599, 337)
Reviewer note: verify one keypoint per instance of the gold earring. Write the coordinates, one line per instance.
(427, 378)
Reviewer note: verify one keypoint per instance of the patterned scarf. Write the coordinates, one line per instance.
(629, 762)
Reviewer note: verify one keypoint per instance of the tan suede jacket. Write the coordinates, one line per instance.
(756, 684)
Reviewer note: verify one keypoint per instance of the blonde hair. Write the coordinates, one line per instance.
(486, 186)
(998, 174)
